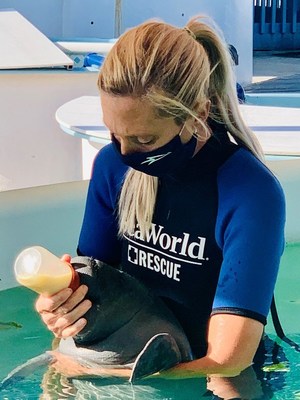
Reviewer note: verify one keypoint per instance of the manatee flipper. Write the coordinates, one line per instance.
(22, 371)
(160, 352)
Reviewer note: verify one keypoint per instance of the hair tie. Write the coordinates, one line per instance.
(190, 32)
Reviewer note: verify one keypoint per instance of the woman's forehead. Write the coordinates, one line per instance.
(131, 116)
(126, 104)
(128, 110)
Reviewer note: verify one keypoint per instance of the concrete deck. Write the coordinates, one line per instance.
(275, 72)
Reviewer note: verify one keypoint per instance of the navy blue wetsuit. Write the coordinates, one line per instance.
(216, 237)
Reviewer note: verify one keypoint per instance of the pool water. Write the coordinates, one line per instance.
(279, 99)
(23, 336)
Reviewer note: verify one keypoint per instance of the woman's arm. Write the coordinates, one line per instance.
(244, 386)
(232, 343)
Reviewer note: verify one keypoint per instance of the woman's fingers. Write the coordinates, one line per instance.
(72, 301)
(71, 323)
(62, 312)
(51, 303)
(66, 257)
(70, 330)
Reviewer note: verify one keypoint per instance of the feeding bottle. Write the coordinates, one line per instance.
(43, 272)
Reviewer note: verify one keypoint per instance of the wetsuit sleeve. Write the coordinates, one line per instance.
(250, 232)
(99, 231)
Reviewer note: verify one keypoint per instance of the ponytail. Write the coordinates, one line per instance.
(222, 86)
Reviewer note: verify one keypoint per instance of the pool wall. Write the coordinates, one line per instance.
(287, 171)
(48, 215)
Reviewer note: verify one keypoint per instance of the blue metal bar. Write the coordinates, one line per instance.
(273, 19)
(294, 17)
(283, 15)
(263, 17)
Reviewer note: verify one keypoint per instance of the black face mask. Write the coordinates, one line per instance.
(161, 161)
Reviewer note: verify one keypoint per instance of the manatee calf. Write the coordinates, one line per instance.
(127, 326)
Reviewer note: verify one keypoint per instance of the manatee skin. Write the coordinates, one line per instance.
(123, 319)
(128, 327)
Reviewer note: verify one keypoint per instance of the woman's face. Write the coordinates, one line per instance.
(135, 125)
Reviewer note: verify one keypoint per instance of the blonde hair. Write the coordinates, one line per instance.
(178, 71)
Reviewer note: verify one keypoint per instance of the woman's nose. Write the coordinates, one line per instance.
(126, 148)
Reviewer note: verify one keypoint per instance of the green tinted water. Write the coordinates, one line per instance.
(23, 336)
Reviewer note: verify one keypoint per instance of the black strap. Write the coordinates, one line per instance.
(278, 327)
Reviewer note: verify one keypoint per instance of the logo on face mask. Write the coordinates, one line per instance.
(152, 159)
(172, 156)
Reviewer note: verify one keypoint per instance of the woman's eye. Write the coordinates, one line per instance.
(136, 140)
(145, 140)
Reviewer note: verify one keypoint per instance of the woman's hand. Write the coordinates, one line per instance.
(62, 312)
(70, 367)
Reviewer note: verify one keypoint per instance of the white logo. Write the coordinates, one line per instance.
(152, 159)
(179, 246)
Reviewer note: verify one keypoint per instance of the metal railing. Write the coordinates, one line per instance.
(276, 17)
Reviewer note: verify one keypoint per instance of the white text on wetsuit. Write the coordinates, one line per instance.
(181, 249)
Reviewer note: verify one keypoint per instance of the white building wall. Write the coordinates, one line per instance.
(46, 15)
(234, 17)
(93, 19)
(96, 19)
(33, 149)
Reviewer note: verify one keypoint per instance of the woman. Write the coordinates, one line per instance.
(181, 198)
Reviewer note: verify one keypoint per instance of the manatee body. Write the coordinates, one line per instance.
(126, 323)
(127, 327)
